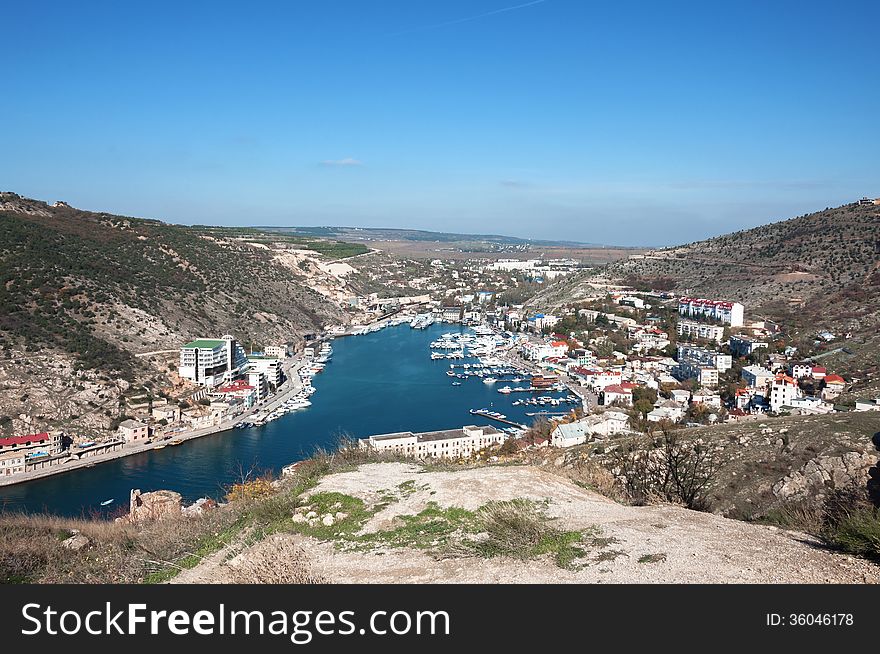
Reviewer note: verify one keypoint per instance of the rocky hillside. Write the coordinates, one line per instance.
(828, 261)
(82, 293)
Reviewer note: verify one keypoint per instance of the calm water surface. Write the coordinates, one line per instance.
(375, 383)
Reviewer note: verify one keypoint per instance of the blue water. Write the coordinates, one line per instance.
(375, 383)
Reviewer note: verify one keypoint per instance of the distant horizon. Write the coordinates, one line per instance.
(633, 124)
(427, 230)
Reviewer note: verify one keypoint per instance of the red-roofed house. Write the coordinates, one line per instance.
(818, 372)
(48, 442)
(834, 386)
(618, 392)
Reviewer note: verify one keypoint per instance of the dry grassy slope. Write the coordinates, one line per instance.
(96, 288)
(757, 456)
(830, 259)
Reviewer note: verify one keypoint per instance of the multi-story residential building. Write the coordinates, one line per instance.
(211, 361)
(782, 391)
(257, 381)
(598, 379)
(695, 355)
(694, 329)
(743, 346)
(757, 376)
(447, 444)
(540, 351)
(582, 357)
(168, 412)
(729, 313)
(801, 370)
(705, 375)
(451, 314)
(271, 367)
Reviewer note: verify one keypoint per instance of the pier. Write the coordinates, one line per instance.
(486, 414)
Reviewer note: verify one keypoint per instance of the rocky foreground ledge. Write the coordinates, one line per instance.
(404, 523)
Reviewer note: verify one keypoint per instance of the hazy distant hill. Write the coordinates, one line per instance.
(382, 234)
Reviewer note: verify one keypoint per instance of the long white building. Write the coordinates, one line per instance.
(211, 361)
(730, 313)
(446, 444)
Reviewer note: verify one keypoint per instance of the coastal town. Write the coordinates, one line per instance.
(621, 362)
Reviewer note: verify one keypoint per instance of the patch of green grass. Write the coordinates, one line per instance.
(858, 532)
(323, 503)
(434, 527)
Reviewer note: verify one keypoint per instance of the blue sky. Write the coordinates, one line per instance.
(627, 123)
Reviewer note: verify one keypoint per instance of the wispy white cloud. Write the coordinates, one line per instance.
(467, 19)
(347, 161)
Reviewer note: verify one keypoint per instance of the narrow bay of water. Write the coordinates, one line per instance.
(375, 383)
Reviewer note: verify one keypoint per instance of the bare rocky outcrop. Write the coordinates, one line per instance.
(826, 473)
(157, 505)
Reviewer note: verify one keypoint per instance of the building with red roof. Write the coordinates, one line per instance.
(49, 442)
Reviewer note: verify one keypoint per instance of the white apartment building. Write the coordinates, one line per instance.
(257, 380)
(446, 444)
(729, 313)
(705, 375)
(801, 370)
(692, 354)
(211, 361)
(541, 351)
(271, 367)
(695, 329)
(783, 390)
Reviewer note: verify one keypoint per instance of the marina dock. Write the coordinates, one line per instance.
(486, 414)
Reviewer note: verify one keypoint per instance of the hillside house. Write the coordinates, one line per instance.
(783, 390)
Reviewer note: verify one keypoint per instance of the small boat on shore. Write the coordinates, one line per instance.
(176, 441)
